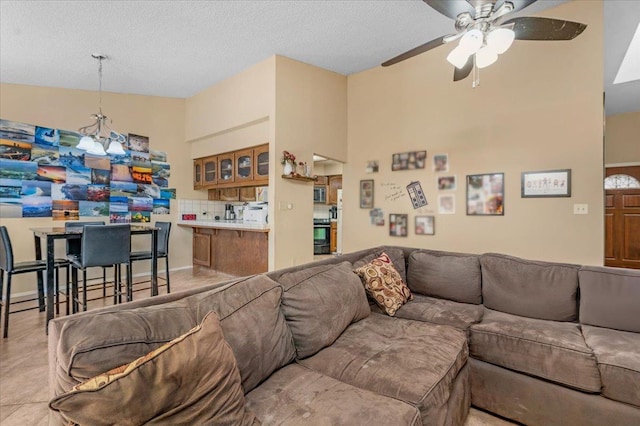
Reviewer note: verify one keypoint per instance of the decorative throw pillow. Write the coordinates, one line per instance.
(191, 380)
(384, 284)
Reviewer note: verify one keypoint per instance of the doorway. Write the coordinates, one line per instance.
(622, 217)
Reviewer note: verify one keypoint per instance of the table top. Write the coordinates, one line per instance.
(62, 231)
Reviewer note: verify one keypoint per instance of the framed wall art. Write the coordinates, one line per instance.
(446, 204)
(425, 225)
(441, 163)
(409, 160)
(398, 224)
(366, 194)
(446, 183)
(549, 183)
(485, 194)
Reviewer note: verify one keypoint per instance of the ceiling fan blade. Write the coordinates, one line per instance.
(532, 28)
(451, 8)
(415, 51)
(462, 73)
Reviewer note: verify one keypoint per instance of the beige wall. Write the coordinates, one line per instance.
(162, 119)
(538, 108)
(311, 116)
(622, 138)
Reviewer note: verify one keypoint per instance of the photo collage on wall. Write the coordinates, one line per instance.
(43, 174)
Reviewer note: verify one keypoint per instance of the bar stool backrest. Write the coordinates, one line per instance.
(105, 245)
(74, 246)
(163, 238)
(6, 251)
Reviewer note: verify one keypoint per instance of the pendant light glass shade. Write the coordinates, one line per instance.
(471, 42)
(86, 142)
(486, 56)
(501, 39)
(96, 149)
(458, 57)
(115, 148)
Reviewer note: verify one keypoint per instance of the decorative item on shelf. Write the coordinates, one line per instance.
(98, 138)
(289, 162)
(304, 169)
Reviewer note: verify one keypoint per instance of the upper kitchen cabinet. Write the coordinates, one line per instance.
(335, 183)
(210, 170)
(261, 163)
(226, 167)
(197, 173)
(244, 165)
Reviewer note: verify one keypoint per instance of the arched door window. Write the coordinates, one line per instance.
(621, 181)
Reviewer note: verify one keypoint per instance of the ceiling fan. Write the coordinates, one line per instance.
(485, 32)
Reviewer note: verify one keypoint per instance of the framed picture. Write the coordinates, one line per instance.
(425, 225)
(549, 183)
(408, 160)
(366, 194)
(398, 225)
(485, 194)
(446, 183)
(441, 163)
(372, 166)
(446, 204)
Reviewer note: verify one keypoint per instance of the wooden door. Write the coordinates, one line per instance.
(225, 168)
(210, 170)
(333, 239)
(244, 165)
(197, 173)
(622, 218)
(261, 163)
(248, 193)
(229, 194)
(335, 183)
(201, 248)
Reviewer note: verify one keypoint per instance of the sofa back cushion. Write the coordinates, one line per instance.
(542, 290)
(319, 303)
(451, 276)
(253, 324)
(396, 255)
(610, 297)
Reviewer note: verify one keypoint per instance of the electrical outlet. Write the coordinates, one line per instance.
(581, 209)
(283, 205)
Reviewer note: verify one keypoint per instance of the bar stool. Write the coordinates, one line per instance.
(74, 247)
(162, 252)
(12, 268)
(106, 245)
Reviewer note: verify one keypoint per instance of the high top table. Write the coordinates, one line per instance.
(60, 233)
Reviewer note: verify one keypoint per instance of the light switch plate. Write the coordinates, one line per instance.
(581, 209)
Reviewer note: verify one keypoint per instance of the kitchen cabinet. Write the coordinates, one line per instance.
(201, 249)
(210, 171)
(333, 237)
(197, 173)
(322, 180)
(261, 163)
(244, 165)
(335, 183)
(225, 165)
(247, 193)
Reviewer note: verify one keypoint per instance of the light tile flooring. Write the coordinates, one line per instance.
(24, 365)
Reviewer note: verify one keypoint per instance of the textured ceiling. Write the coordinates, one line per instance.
(178, 48)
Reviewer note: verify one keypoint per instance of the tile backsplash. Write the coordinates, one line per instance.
(204, 209)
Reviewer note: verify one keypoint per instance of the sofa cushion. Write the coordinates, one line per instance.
(295, 395)
(440, 311)
(395, 254)
(92, 344)
(451, 276)
(319, 303)
(384, 284)
(412, 361)
(192, 379)
(552, 350)
(528, 288)
(253, 325)
(610, 297)
(618, 356)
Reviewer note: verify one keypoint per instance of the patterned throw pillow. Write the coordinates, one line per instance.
(384, 284)
(193, 379)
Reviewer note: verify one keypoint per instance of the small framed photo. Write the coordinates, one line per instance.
(446, 183)
(408, 160)
(550, 183)
(366, 194)
(485, 194)
(372, 166)
(446, 204)
(441, 163)
(425, 225)
(398, 224)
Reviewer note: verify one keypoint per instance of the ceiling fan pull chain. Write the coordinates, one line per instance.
(476, 74)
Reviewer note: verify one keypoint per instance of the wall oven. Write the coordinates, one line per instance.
(320, 194)
(321, 236)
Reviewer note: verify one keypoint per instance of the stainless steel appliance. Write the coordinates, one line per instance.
(321, 236)
(320, 194)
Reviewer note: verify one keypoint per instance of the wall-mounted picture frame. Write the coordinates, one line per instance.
(366, 194)
(446, 204)
(408, 160)
(398, 224)
(425, 225)
(441, 163)
(485, 194)
(372, 166)
(547, 183)
(446, 183)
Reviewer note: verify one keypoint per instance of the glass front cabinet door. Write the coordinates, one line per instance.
(225, 166)
(210, 167)
(261, 162)
(244, 165)
(197, 174)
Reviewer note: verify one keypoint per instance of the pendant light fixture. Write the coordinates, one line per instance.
(98, 138)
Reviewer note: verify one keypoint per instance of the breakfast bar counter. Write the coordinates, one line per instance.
(230, 247)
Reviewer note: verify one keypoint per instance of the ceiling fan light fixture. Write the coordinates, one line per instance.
(471, 42)
(486, 56)
(458, 57)
(501, 39)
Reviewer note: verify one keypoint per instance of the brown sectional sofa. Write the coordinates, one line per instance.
(536, 342)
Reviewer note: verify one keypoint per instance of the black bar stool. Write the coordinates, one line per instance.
(162, 252)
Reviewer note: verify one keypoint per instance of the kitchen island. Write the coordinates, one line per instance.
(230, 246)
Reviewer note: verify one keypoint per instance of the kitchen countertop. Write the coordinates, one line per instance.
(225, 224)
